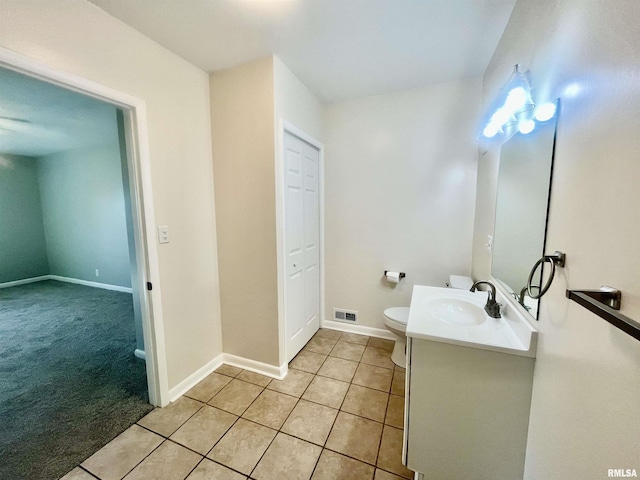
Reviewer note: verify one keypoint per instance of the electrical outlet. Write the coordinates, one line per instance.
(163, 234)
(97, 272)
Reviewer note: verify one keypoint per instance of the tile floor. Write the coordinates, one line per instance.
(337, 415)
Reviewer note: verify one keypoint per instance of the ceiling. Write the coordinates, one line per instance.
(38, 118)
(340, 49)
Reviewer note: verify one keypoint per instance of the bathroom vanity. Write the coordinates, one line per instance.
(468, 387)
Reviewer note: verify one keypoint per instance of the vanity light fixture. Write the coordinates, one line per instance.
(545, 112)
(514, 107)
(526, 126)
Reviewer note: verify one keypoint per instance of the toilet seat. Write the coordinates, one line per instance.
(397, 317)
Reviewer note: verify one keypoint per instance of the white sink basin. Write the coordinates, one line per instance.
(458, 317)
(456, 311)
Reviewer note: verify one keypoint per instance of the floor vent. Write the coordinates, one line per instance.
(342, 315)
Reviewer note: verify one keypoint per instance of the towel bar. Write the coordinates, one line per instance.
(605, 302)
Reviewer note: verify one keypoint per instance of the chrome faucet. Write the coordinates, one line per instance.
(492, 307)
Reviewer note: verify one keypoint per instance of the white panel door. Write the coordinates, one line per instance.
(301, 243)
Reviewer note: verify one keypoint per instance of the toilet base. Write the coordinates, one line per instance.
(399, 355)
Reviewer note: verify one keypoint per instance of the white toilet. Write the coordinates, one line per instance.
(395, 319)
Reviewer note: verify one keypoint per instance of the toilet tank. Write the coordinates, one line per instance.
(461, 282)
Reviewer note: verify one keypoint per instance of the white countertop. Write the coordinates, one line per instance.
(511, 334)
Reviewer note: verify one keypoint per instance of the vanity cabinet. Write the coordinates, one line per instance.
(466, 411)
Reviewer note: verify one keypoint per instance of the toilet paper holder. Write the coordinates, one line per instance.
(402, 274)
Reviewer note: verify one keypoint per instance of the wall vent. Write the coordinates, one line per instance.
(342, 315)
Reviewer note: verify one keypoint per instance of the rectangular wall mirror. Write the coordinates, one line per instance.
(524, 187)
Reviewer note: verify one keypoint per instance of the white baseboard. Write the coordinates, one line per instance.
(195, 378)
(233, 360)
(140, 354)
(24, 281)
(257, 367)
(360, 329)
(263, 368)
(86, 283)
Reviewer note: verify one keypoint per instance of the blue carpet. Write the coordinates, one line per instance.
(69, 382)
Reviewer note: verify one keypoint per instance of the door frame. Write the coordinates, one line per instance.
(139, 165)
(287, 127)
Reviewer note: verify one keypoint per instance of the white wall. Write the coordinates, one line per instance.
(23, 251)
(584, 415)
(78, 37)
(400, 175)
(83, 209)
(295, 103)
(243, 161)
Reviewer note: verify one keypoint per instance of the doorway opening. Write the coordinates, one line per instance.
(75, 265)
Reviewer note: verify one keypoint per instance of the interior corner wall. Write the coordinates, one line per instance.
(242, 125)
(78, 37)
(23, 252)
(584, 411)
(83, 208)
(400, 176)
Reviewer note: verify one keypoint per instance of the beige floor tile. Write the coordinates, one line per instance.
(354, 338)
(78, 474)
(204, 429)
(338, 368)
(400, 369)
(208, 470)
(243, 445)
(327, 391)
(169, 461)
(397, 386)
(328, 333)
(255, 378)
(395, 412)
(207, 388)
(366, 402)
(168, 419)
(382, 475)
(355, 437)
(308, 361)
(333, 466)
(382, 343)
(348, 351)
(287, 458)
(228, 370)
(310, 422)
(378, 378)
(377, 357)
(122, 454)
(236, 396)
(320, 345)
(390, 456)
(295, 383)
(270, 409)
